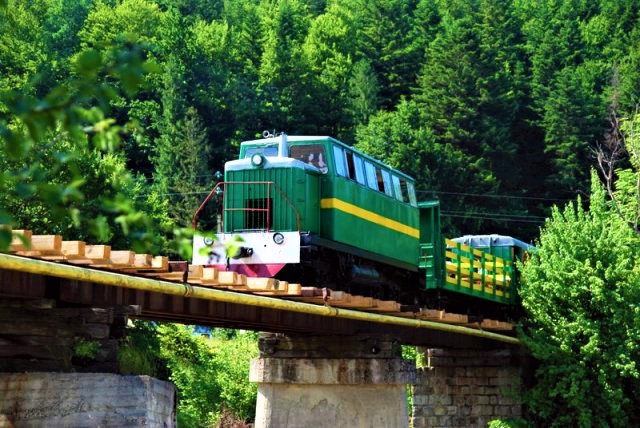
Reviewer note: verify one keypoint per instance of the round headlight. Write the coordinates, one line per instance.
(208, 241)
(278, 238)
(257, 159)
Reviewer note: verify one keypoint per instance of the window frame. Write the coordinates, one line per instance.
(411, 188)
(360, 176)
(354, 167)
(366, 172)
(250, 151)
(386, 181)
(396, 187)
(370, 173)
(308, 149)
(340, 162)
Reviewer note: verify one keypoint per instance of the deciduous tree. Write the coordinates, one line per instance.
(581, 293)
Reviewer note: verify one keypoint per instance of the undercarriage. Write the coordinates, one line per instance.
(323, 267)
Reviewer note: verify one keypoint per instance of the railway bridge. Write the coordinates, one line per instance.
(327, 358)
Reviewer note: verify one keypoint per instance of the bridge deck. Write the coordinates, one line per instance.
(219, 298)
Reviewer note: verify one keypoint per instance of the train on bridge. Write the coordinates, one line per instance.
(312, 209)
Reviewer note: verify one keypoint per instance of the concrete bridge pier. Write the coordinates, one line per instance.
(58, 368)
(320, 381)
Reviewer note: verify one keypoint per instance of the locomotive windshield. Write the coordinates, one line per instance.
(264, 151)
(312, 154)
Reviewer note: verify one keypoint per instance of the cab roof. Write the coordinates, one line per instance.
(272, 141)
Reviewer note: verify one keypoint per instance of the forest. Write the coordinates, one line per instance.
(497, 108)
(521, 116)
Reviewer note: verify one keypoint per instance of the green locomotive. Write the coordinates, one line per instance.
(311, 209)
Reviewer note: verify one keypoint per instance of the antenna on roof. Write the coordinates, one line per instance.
(271, 134)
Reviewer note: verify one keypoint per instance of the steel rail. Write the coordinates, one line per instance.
(114, 279)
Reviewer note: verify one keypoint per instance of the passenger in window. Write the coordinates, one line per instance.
(317, 162)
(321, 163)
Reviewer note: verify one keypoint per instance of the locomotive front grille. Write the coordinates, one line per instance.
(257, 206)
(258, 214)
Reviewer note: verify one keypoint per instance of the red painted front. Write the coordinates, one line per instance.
(253, 270)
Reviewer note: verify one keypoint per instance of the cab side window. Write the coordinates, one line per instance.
(386, 181)
(412, 194)
(372, 179)
(397, 188)
(354, 167)
(341, 165)
(404, 190)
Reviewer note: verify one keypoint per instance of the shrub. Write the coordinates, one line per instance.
(139, 352)
(581, 293)
(210, 374)
(85, 349)
(508, 423)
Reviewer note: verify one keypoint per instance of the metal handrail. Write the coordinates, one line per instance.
(224, 184)
(114, 279)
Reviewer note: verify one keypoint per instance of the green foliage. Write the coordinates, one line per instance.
(384, 38)
(577, 50)
(85, 349)
(508, 423)
(626, 194)
(363, 90)
(411, 353)
(139, 353)
(211, 375)
(57, 143)
(581, 292)
(573, 118)
(237, 394)
(328, 54)
(180, 163)
(282, 86)
(138, 21)
(497, 96)
(134, 361)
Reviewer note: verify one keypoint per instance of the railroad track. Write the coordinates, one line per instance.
(79, 253)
